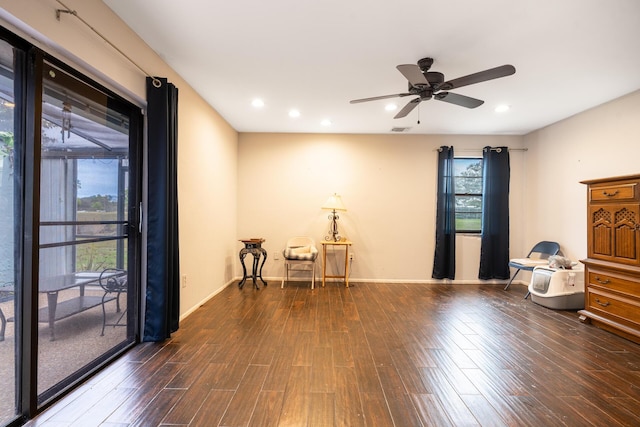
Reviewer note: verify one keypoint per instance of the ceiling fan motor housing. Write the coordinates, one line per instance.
(434, 78)
(425, 64)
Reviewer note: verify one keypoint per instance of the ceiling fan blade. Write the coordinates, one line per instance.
(462, 100)
(413, 73)
(408, 108)
(375, 98)
(482, 76)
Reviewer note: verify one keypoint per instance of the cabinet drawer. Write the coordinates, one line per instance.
(624, 310)
(617, 192)
(614, 282)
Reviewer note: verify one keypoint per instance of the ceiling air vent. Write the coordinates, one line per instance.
(399, 129)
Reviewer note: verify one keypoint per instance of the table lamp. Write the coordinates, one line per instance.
(334, 203)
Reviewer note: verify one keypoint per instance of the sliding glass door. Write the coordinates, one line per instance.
(87, 299)
(69, 255)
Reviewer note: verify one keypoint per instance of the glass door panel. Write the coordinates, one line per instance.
(85, 280)
(10, 222)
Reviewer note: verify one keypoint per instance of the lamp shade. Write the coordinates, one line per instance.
(334, 203)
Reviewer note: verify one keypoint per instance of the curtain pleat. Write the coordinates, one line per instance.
(494, 250)
(162, 298)
(444, 259)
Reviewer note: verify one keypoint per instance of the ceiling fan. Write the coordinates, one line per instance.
(427, 84)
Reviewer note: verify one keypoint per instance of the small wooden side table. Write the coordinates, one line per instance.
(346, 244)
(253, 247)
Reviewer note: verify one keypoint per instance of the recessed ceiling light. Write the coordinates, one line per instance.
(294, 113)
(502, 108)
(326, 122)
(390, 107)
(258, 103)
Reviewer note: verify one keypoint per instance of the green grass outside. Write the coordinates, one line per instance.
(468, 224)
(100, 255)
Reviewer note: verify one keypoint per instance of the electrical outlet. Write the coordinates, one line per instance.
(184, 280)
(276, 256)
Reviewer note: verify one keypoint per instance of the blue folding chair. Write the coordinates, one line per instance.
(538, 255)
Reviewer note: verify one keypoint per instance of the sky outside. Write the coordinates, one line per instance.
(97, 176)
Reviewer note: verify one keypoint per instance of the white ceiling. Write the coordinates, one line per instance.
(316, 55)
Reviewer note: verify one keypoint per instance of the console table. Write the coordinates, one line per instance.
(345, 277)
(253, 247)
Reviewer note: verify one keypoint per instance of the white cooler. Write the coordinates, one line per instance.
(560, 289)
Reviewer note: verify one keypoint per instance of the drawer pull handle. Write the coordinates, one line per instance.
(606, 193)
(604, 304)
(602, 282)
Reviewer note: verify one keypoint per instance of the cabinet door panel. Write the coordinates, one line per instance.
(613, 233)
(625, 235)
(600, 233)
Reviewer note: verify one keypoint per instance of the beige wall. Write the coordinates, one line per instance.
(207, 152)
(388, 184)
(598, 143)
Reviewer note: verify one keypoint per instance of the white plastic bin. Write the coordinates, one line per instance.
(560, 289)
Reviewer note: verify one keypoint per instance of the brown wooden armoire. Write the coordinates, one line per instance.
(612, 266)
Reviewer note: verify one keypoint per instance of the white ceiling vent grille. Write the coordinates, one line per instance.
(399, 129)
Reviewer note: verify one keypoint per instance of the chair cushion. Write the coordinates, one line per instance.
(305, 253)
(527, 262)
(116, 284)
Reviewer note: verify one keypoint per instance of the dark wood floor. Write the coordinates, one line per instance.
(369, 355)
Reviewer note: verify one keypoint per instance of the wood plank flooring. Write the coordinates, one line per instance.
(370, 355)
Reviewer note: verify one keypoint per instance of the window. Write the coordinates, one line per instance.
(468, 187)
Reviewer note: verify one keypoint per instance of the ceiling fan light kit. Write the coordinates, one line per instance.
(428, 85)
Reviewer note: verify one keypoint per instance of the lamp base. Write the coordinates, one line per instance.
(333, 230)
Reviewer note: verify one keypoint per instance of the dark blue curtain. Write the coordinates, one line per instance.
(162, 309)
(494, 250)
(444, 260)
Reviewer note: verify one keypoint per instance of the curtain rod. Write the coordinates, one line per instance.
(466, 150)
(156, 82)
(499, 149)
